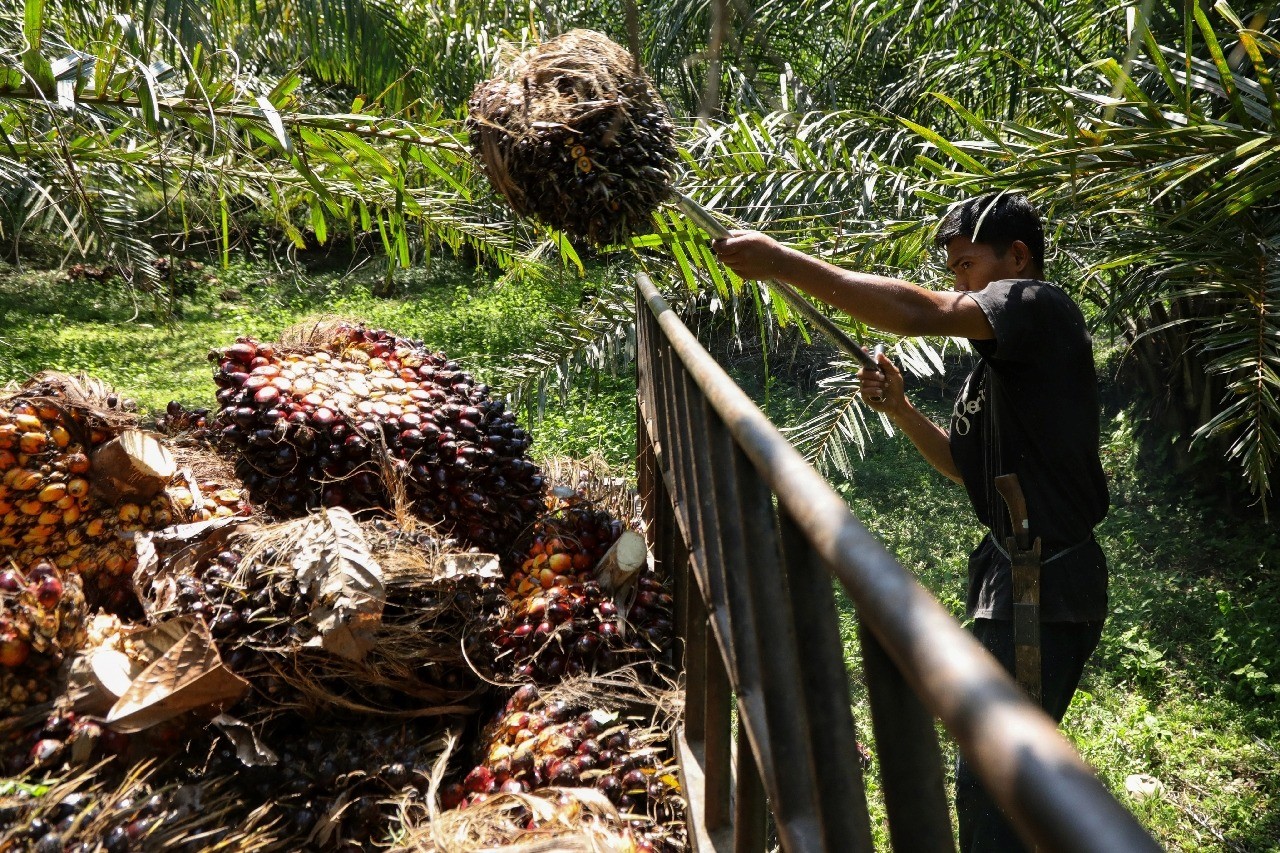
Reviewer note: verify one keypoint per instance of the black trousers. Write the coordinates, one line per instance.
(1064, 648)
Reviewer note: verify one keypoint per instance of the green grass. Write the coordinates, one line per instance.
(1185, 685)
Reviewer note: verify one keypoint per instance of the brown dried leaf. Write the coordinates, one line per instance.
(165, 554)
(334, 566)
(189, 675)
(471, 565)
(251, 751)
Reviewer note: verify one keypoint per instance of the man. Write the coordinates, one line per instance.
(1030, 407)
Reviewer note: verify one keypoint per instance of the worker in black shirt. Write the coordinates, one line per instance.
(1030, 407)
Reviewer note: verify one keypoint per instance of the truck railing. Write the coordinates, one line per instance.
(752, 536)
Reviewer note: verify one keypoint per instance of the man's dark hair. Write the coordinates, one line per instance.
(996, 219)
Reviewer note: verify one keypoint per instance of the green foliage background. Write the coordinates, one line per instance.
(266, 136)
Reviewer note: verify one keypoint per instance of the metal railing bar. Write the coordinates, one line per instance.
(706, 579)
(744, 636)
(718, 746)
(912, 776)
(803, 784)
(693, 766)
(695, 669)
(750, 808)
(668, 432)
(1024, 762)
(824, 689)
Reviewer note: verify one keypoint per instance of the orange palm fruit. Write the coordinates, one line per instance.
(53, 492)
(23, 479)
(28, 422)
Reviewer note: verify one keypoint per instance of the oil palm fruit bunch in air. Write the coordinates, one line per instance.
(574, 133)
(541, 741)
(342, 415)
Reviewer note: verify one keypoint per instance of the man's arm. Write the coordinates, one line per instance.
(884, 303)
(929, 438)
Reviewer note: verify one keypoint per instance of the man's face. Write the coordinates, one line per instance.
(975, 265)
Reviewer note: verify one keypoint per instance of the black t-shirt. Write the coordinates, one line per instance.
(1030, 407)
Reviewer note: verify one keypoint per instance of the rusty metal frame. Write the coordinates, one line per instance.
(752, 536)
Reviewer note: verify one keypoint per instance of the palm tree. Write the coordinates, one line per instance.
(100, 120)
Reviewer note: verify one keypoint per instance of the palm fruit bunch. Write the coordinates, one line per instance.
(574, 133)
(578, 628)
(42, 618)
(107, 559)
(118, 810)
(178, 419)
(539, 742)
(54, 486)
(338, 417)
(438, 613)
(564, 545)
(44, 468)
(61, 738)
(346, 779)
(245, 602)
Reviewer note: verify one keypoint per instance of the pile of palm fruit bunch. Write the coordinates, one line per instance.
(342, 678)
(574, 133)
(334, 614)
(339, 414)
(182, 670)
(569, 760)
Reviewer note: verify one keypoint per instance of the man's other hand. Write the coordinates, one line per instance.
(882, 389)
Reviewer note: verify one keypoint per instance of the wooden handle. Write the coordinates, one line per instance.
(1011, 490)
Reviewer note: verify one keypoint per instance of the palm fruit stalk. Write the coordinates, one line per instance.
(344, 418)
(573, 133)
(538, 742)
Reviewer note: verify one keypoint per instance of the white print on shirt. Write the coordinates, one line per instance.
(964, 409)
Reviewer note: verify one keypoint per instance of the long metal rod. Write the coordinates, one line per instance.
(1025, 763)
(707, 222)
